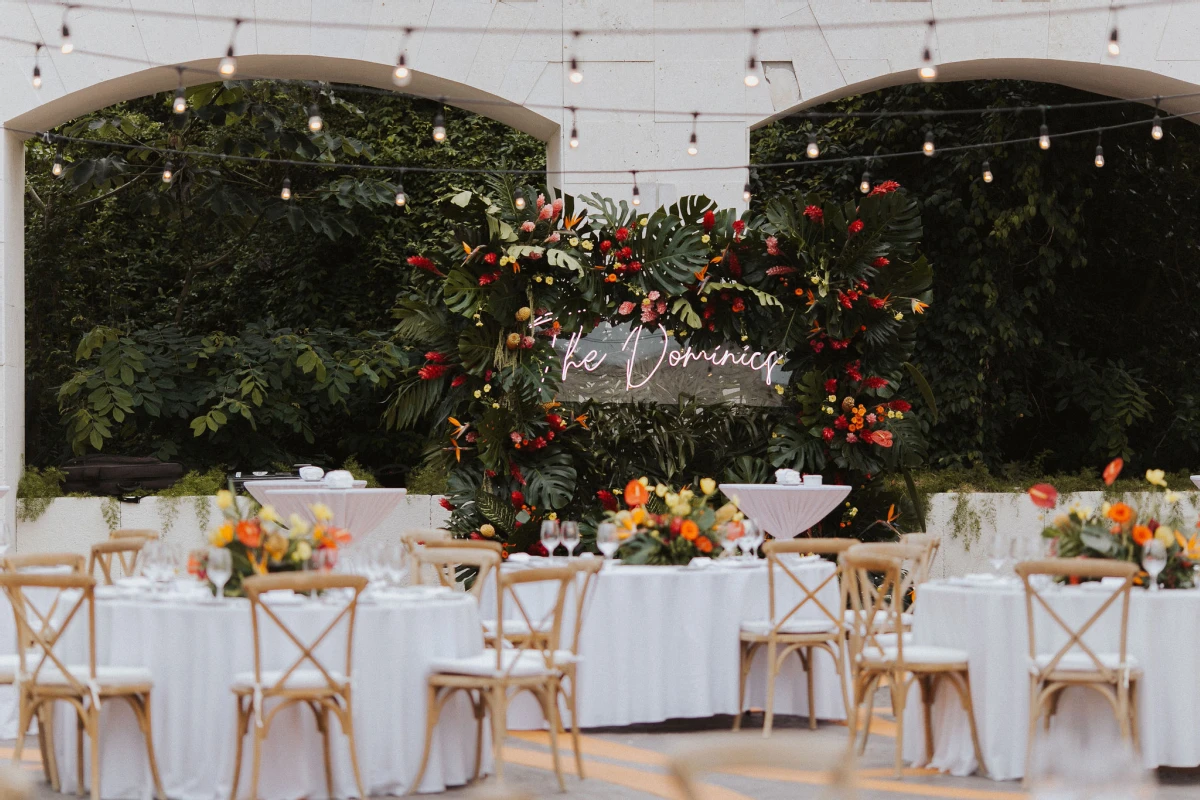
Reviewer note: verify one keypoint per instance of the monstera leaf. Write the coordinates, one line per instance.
(691, 208)
(461, 291)
(796, 448)
(477, 348)
(551, 481)
(671, 253)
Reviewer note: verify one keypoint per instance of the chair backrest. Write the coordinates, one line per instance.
(415, 537)
(39, 630)
(589, 571)
(777, 551)
(732, 752)
(1084, 568)
(445, 561)
(73, 562)
(911, 558)
(931, 544)
(125, 548)
(300, 582)
(549, 624)
(134, 533)
(871, 602)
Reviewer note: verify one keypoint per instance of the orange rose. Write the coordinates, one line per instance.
(703, 544)
(1120, 513)
(690, 530)
(636, 494)
(1142, 534)
(249, 533)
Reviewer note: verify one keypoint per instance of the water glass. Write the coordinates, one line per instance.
(395, 563)
(606, 539)
(1154, 560)
(550, 536)
(998, 553)
(569, 534)
(157, 565)
(219, 569)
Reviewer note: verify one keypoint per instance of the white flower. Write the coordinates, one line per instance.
(587, 245)
(705, 238)
(487, 387)
(478, 394)
(573, 241)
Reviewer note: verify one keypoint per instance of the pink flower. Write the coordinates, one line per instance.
(626, 308)
(815, 214)
(772, 246)
(546, 213)
(534, 256)
(557, 205)
(775, 272)
(516, 437)
(553, 238)
(827, 434)
(541, 201)
(654, 295)
(648, 314)
(871, 418)
(661, 307)
(851, 438)
(527, 227)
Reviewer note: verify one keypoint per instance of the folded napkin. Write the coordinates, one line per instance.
(700, 562)
(281, 597)
(134, 583)
(519, 558)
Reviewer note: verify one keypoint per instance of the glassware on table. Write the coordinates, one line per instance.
(551, 536)
(731, 533)
(1154, 560)
(752, 537)
(219, 569)
(569, 535)
(606, 539)
(157, 565)
(998, 554)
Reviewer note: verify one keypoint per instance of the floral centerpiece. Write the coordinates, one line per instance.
(665, 526)
(1119, 531)
(262, 542)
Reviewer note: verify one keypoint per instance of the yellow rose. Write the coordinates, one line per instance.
(322, 512)
(549, 280)
(708, 486)
(671, 498)
(661, 489)
(686, 496)
(303, 551)
(224, 499)
(1156, 477)
(573, 242)
(704, 238)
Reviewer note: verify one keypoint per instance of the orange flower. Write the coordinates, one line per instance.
(1112, 471)
(249, 533)
(703, 544)
(1142, 534)
(1120, 513)
(636, 494)
(690, 530)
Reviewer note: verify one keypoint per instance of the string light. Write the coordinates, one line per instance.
(37, 67)
(168, 172)
(228, 65)
(813, 150)
(439, 126)
(401, 197)
(575, 75)
(1099, 160)
(1044, 132)
(180, 104)
(59, 165)
(864, 185)
(519, 199)
(693, 147)
(752, 62)
(1114, 49)
(987, 172)
(67, 45)
(928, 148)
(286, 192)
(402, 75)
(746, 193)
(315, 123)
(1156, 131)
(637, 195)
(928, 71)
(574, 140)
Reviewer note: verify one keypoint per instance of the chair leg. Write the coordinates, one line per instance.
(550, 707)
(1035, 709)
(141, 707)
(745, 652)
(79, 723)
(242, 719)
(573, 704)
(480, 709)
(322, 714)
(808, 672)
(772, 670)
(431, 717)
(256, 759)
(898, 687)
(94, 745)
(928, 685)
(868, 700)
(1133, 718)
(499, 707)
(347, 720)
(839, 660)
(24, 716)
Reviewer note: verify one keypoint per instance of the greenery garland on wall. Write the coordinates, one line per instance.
(835, 289)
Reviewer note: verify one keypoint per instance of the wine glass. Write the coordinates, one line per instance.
(550, 536)
(752, 537)
(156, 564)
(606, 539)
(394, 560)
(998, 554)
(569, 534)
(731, 534)
(219, 569)
(1154, 560)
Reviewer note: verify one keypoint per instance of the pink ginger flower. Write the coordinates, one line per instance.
(527, 227)
(772, 246)
(553, 238)
(654, 295)
(557, 205)
(648, 314)
(546, 213)
(541, 201)
(626, 308)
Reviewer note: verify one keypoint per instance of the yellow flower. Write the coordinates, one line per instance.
(1156, 477)
(831, 398)
(223, 535)
(644, 481)
(643, 221)
(322, 512)
(638, 515)
(587, 245)
(224, 499)
(552, 515)
(708, 486)
(504, 261)
(779, 388)
(898, 316)
(686, 496)
(303, 551)
(1172, 497)
(268, 514)
(478, 394)
(573, 242)
(1191, 547)
(297, 526)
(726, 512)
(549, 280)
(276, 546)
(1165, 534)
(671, 498)
(661, 490)
(681, 509)
(625, 519)
(705, 238)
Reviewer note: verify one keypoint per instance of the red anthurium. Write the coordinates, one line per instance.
(1043, 495)
(1113, 470)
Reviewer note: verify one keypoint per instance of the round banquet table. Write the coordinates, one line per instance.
(359, 511)
(785, 511)
(990, 623)
(661, 643)
(193, 651)
(258, 488)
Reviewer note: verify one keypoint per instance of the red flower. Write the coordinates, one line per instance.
(435, 357)
(877, 303)
(732, 263)
(831, 386)
(1043, 495)
(855, 227)
(626, 252)
(635, 266)
(841, 423)
(446, 504)
(900, 405)
(515, 472)
(777, 271)
(738, 305)
(458, 381)
(491, 258)
(710, 219)
(875, 383)
(815, 214)
(421, 262)
(555, 422)
(816, 344)
(431, 372)
(1113, 470)
(880, 262)
(605, 246)
(538, 443)
(518, 499)
(853, 369)
(739, 227)
(880, 438)
(527, 342)
(827, 434)
(607, 499)
(622, 234)
(844, 299)
(490, 277)
(772, 246)
(884, 188)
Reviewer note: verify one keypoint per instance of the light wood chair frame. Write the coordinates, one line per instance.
(1047, 683)
(911, 555)
(931, 544)
(867, 601)
(85, 697)
(587, 571)
(145, 534)
(729, 752)
(332, 698)
(445, 559)
(126, 549)
(490, 694)
(779, 644)
(16, 562)
(415, 538)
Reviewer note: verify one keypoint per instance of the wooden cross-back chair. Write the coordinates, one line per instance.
(414, 538)
(305, 680)
(63, 562)
(911, 557)
(567, 659)
(726, 752)
(125, 550)
(784, 633)
(129, 560)
(85, 687)
(491, 677)
(446, 557)
(1114, 675)
(932, 544)
(874, 657)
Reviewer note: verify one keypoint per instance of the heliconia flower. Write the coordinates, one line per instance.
(880, 262)
(421, 262)
(446, 504)
(458, 381)
(875, 383)
(626, 308)
(546, 213)
(855, 227)
(435, 357)
(884, 188)
(815, 214)
(777, 271)
(527, 226)
(431, 372)
(900, 405)
(772, 246)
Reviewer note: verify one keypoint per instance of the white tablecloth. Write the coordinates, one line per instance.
(359, 511)
(661, 643)
(258, 489)
(193, 652)
(42, 598)
(990, 624)
(785, 511)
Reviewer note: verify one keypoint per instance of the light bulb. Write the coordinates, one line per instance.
(315, 123)
(693, 149)
(439, 127)
(519, 200)
(401, 75)
(1044, 138)
(401, 198)
(1099, 156)
(37, 77)
(1114, 49)
(928, 70)
(864, 185)
(67, 44)
(752, 72)
(813, 150)
(574, 141)
(57, 168)
(1156, 128)
(987, 172)
(180, 104)
(928, 147)
(168, 173)
(228, 65)
(637, 196)
(575, 75)
(746, 192)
